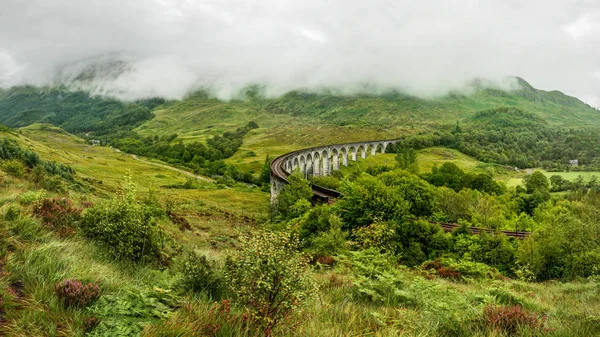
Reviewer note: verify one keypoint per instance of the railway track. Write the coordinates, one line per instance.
(323, 194)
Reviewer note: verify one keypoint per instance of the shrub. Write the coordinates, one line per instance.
(511, 319)
(269, 276)
(379, 235)
(14, 167)
(73, 293)
(201, 275)
(29, 197)
(448, 268)
(58, 213)
(376, 278)
(292, 196)
(126, 229)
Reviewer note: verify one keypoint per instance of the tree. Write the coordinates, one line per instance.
(368, 199)
(265, 173)
(536, 181)
(269, 276)
(406, 159)
(296, 193)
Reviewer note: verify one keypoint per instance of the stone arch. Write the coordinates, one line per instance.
(353, 150)
(371, 149)
(302, 164)
(295, 164)
(309, 164)
(363, 150)
(335, 156)
(344, 151)
(379, 147)
(316, 163)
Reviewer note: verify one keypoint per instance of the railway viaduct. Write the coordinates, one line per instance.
(322, 160)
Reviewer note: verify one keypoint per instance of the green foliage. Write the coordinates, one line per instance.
(492, 249)
(14, 167)
(293, 200)
(320, 230)
(126, 229)
(452, 176)
(368, 199)
(202, 275)
(420, 240)
(418, 193)
(129, 311)
(536, 181)
(269, 276)
(376, 279)
(380, 236)
(566, 244)
(450, 268)
(330, 182)
(406, 159)
(332, 241)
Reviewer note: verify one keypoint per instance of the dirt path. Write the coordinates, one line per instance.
(172, 168)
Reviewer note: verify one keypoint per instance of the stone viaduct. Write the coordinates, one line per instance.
(321, 161)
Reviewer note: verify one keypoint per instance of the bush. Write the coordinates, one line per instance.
(14, 167)
(59, 214)
(73, 293)
(269, 276)
(127, 229)
(511, 319)
(201, 275)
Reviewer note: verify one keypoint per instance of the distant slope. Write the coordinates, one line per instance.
(75, 111)
(198, 113)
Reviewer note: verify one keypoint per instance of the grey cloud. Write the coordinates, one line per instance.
(141, 48)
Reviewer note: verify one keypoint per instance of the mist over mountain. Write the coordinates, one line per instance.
(135, 49)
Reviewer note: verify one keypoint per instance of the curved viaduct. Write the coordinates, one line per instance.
(322, 160)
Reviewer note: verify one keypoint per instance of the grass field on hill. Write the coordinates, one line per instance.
(212, 211)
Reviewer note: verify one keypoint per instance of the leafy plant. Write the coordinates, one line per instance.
(269, 276)
(202, 275)
(126, 229)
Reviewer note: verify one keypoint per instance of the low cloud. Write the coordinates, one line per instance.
(141, 48)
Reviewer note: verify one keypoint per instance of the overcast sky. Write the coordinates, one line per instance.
(169, 47)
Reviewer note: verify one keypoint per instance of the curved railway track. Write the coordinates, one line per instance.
(323, 194)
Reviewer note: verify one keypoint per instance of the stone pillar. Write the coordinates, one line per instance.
(336, 161)
(374, 149)
(363, 152)
(383, 147)
(325, 171)
(276, 187)
(316, 165)
(353, 154)
(345, 158)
